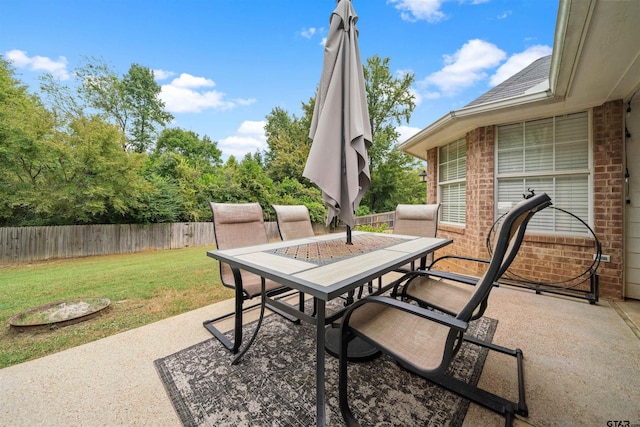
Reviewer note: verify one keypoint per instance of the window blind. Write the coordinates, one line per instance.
(548, 155)
(452, 172)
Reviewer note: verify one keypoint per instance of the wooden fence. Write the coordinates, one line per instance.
(27, 244)
(376, 220)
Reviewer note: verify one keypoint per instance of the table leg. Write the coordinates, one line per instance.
(321, 415)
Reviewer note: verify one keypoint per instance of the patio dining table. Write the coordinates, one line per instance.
(325, 267)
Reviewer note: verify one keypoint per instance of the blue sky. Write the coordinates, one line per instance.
(225, 64)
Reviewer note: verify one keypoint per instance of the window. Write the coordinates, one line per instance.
(452, 185)
(549, 155)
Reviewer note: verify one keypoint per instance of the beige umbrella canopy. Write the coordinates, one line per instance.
(340, 128)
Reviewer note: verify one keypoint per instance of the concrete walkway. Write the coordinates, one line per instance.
(581, 368)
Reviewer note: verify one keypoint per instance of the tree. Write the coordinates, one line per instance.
(288, 148)
(255, 185)
(95, 181)
(292, 192)
(246, 181)
(162, 202)
(142, 98)
(182, 161)
(62, 167)
(203, 152)
(26, 151)
(393, 173)
(131, 102)
(288, 143)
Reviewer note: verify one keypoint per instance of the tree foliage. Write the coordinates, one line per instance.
(288, 143)
(26, 149)
(188, 144)
(141, 95)
(98, 151)
(393, 173)
(132, 102)
(95, 181)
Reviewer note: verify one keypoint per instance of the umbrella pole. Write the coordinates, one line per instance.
(349, 236)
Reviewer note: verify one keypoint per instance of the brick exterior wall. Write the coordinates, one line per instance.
(608, 188)
(545, 258)
(432, 176)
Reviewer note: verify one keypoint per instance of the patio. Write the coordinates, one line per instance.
(581, 367)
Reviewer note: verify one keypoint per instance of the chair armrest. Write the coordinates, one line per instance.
(440, 318)
(464, 258)
(456, 277)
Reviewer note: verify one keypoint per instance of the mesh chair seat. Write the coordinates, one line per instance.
(237, 225)
(417, 220)
(424, 340)
(294, 221)
(384, 326)
(442, 294)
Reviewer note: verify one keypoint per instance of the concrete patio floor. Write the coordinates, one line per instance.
(581, 368)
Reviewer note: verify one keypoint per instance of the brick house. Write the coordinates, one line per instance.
(564, 125)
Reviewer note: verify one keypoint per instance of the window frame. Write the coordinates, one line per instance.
(587, 172)
(457, 181)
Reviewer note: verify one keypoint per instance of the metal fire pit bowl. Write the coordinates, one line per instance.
(58, 314)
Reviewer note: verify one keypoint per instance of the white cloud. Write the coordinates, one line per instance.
(185, 94)
(244, 102)
(250, 137)
(505, 15)
(426, 10)
(406, 132)
(57, 68)
(191, 82)
(162, 74)
(465, 67)
(415, 10)
(519, 61)
(250, 127)
(182, 100)
(308, 32)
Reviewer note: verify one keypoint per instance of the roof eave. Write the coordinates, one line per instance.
(571, 29)
(457, 123)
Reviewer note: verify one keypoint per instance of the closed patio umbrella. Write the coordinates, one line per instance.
(340, 128)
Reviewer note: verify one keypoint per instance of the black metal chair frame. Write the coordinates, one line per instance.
(241, 295)
(239, 298)
(508, 242)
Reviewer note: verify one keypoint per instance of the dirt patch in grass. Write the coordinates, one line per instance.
(59, 312)
(143, 288)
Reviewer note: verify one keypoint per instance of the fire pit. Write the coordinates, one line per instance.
(58, 314)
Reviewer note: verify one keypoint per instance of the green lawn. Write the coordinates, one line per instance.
(143, 288)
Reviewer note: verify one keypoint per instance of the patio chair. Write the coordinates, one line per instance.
(445, 291)
(417, 220)
(425, 341)
(293, 221)
(237, 225)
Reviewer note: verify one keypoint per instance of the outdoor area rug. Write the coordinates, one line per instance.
(274, 384)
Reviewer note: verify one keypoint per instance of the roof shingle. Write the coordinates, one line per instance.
(517, 84)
